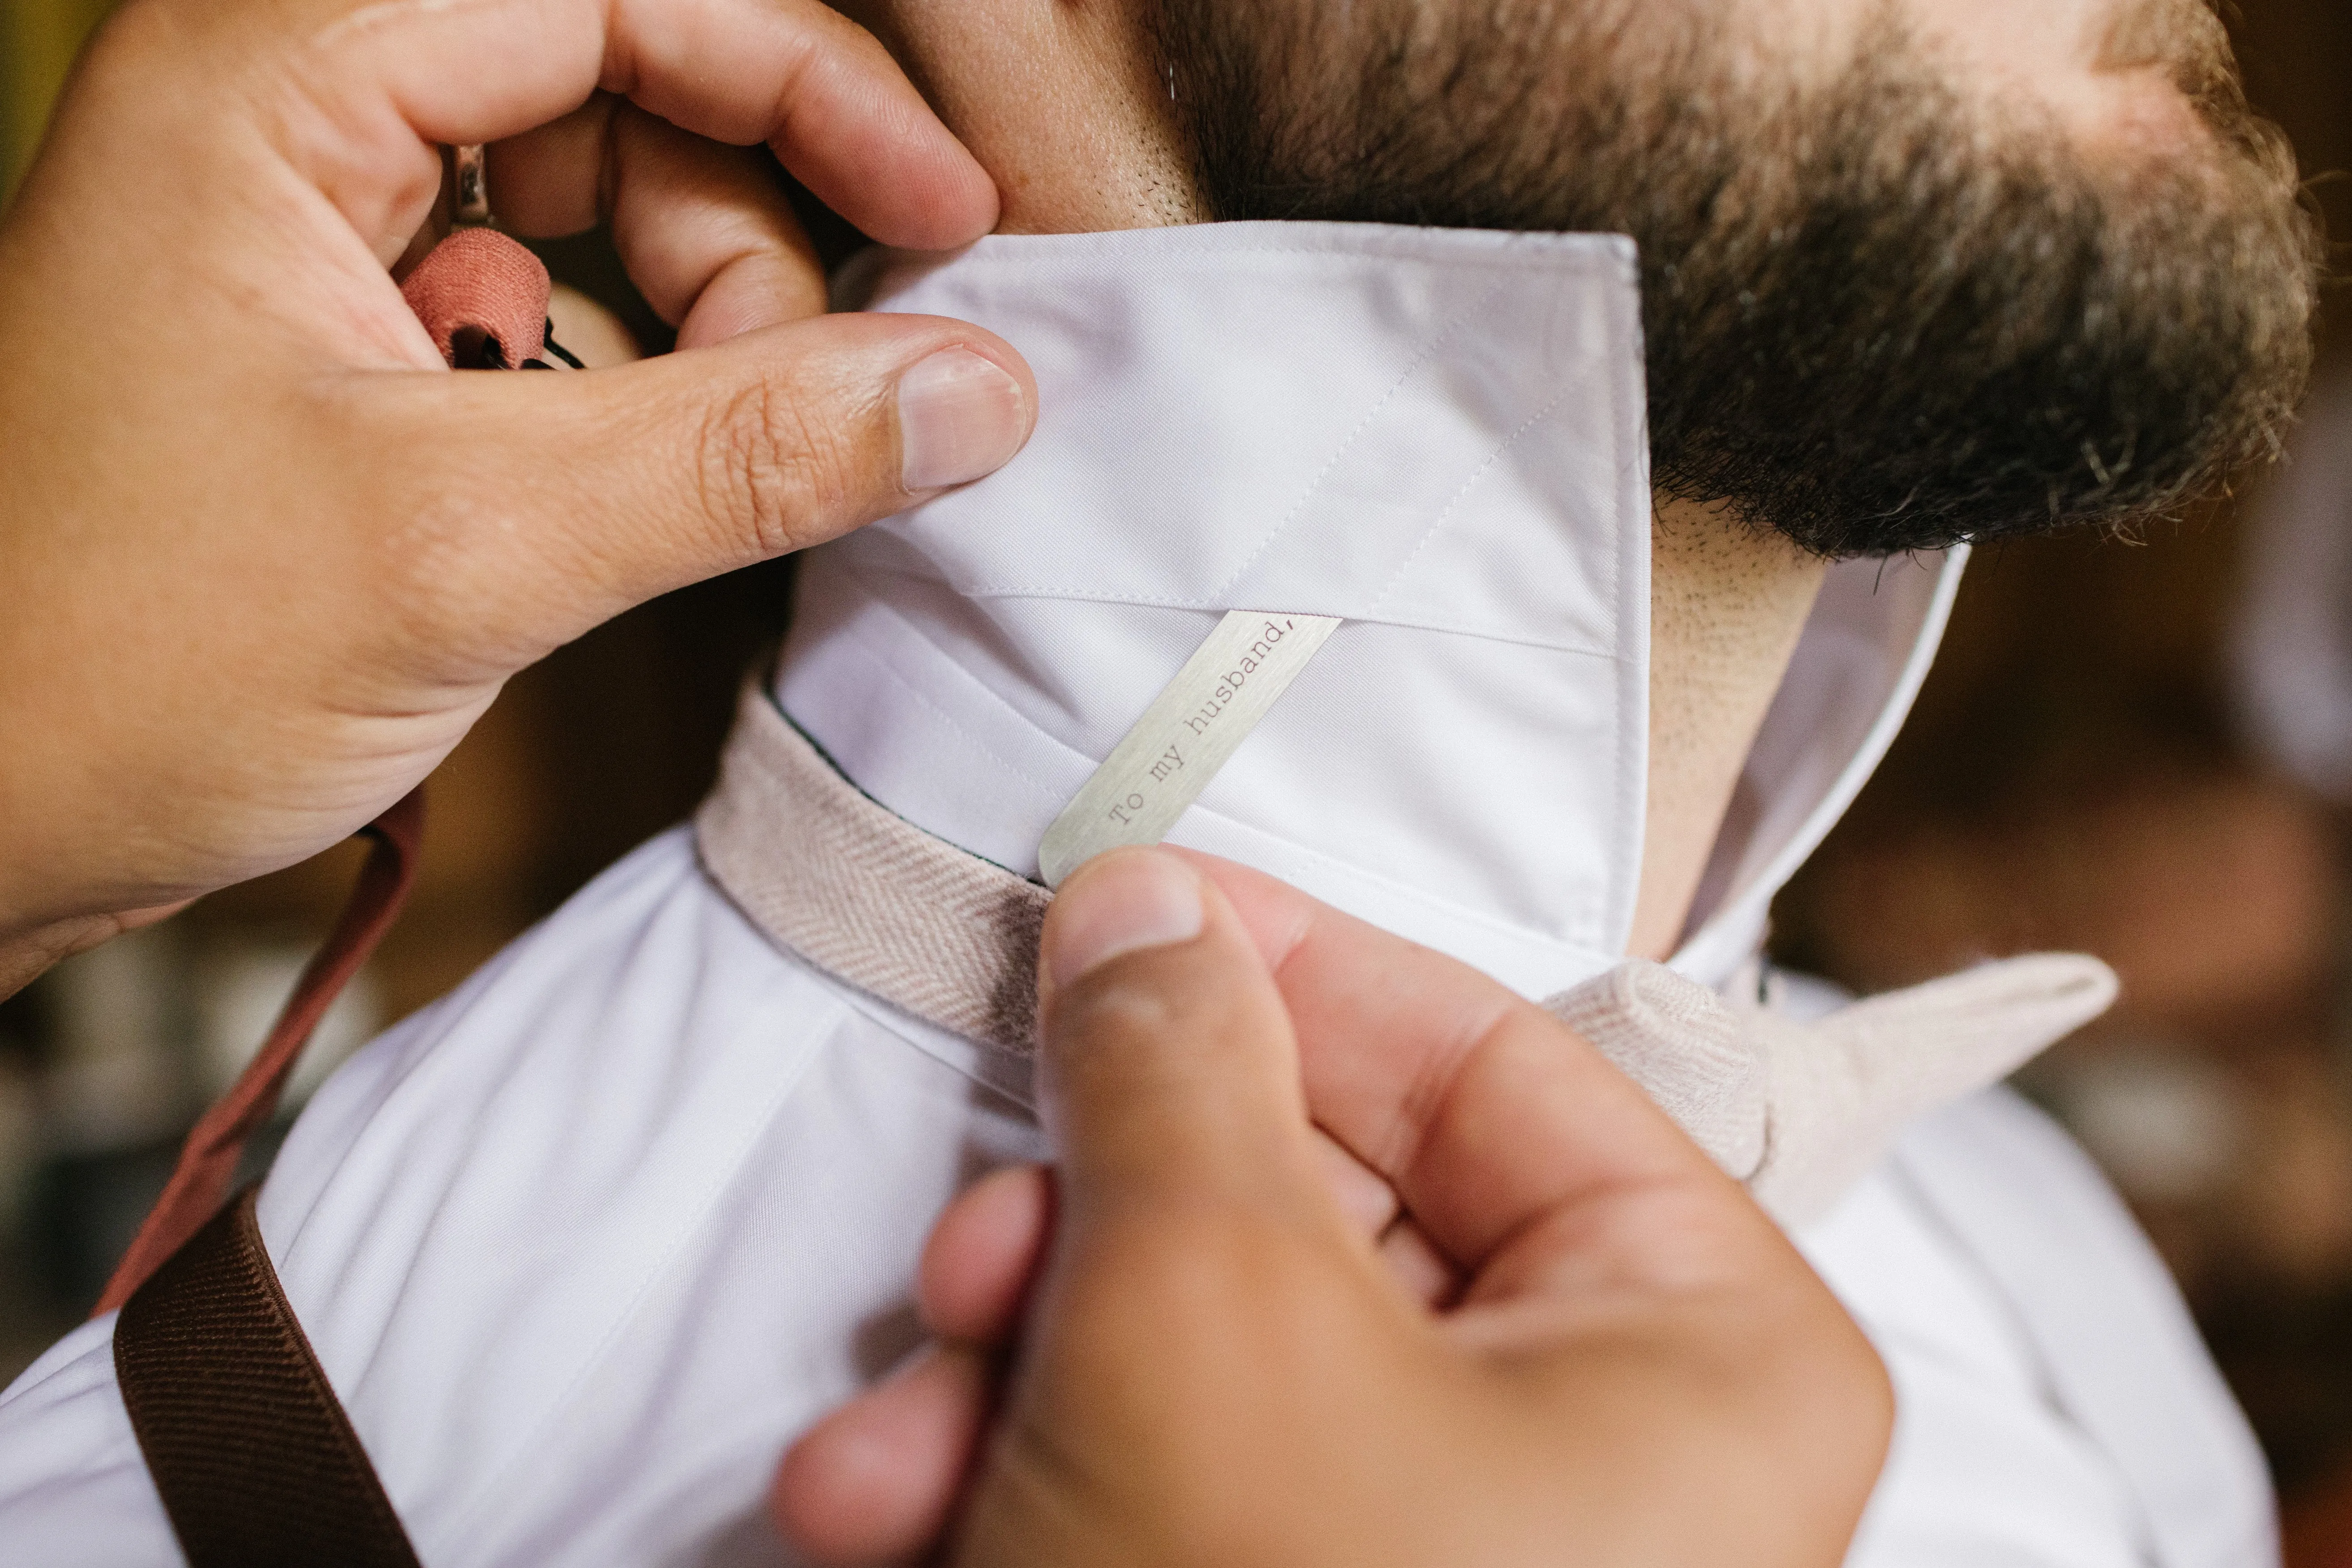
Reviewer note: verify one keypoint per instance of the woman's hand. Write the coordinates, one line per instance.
(263, 559)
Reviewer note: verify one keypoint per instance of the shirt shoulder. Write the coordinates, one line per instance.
(2041, 1356)
(579, 1247)
(74, 1491)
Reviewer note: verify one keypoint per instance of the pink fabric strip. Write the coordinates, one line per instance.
(208, 1161)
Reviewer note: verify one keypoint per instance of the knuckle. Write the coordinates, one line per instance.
(1158, 1019)
(425, 573)
(771, 471)
(434, 564)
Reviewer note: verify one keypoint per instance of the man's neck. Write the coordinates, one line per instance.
(1058, 101)
(1727, 603)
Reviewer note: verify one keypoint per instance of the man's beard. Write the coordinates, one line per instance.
(1880, 315)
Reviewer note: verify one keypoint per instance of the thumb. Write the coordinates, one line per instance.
(561, 500)
(1170, 1072)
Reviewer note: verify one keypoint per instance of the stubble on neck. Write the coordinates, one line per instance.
(1728, 602)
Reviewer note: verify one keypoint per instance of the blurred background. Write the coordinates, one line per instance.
(2136, 748)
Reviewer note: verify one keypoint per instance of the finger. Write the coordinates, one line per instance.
(520, 510)
(1484, 1113)
(876, 1480)
(588, 331)
(1170, 1078)
(1417, 1264)
(982, 1253)
(1367, 1200)
(791, 73)
(702, 228)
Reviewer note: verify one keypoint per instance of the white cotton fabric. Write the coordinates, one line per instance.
(584, 1245)
(1439, 434)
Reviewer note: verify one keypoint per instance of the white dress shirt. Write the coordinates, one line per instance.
(583, 1245)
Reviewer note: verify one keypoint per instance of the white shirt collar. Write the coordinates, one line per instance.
(1437, 434)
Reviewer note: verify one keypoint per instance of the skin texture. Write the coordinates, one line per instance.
(1062, 99)
(1218, 1358)
(1727, 604)
(266, 559)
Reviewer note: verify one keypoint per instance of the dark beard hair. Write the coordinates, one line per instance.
(1881, 315)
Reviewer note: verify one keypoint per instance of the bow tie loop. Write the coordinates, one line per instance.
(1801, 1109)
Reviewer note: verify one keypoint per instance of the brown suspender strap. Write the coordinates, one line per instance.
(255, 1460)
(250, 1450)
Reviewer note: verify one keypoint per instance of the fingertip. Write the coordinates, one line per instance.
(1120, 902)
(977, 1267)
(646, 477)
(961, 417)
(866, 144)
(809, 1503)
(758, 289)
(945, 206)
(877, 1480)
(1276, 916)
(945, 198)
(1418, 1266)
(1167, 1067)
(1368, 1201)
